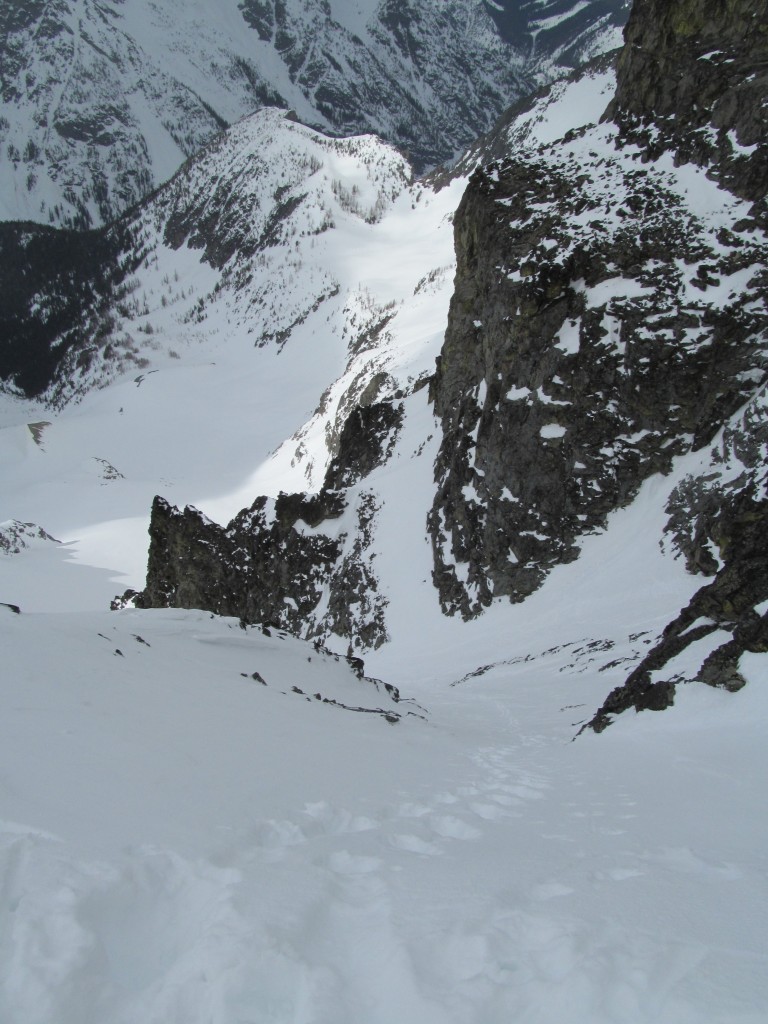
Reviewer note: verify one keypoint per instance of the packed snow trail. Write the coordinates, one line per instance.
(313, 865)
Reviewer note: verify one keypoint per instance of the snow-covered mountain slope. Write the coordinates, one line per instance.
(100, 102)
(179, 842)
(628, 348)
(323, 255)
(319, 245)
(359, 374)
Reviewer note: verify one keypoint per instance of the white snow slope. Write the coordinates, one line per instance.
(185, 842)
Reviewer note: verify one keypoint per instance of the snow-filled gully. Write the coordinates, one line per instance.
(476, 868)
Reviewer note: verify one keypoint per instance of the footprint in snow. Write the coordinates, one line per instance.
(327, 820)
(525, 792)
(622, 874)
(490, 812)
(551, 891)
(413, 810)
(450, 827)
(345, 863)
(468, 791)
(272, 835)
(413, 844)
(504, 799)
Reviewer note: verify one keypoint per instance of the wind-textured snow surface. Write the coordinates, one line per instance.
(202, 823)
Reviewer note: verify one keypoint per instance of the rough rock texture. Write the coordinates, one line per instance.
(586, 346)
(366, 441)
(604, 321)
(16, 537)
(718, 522)
(693, 77)
(730, 609)
(300, 561)
(267, 565)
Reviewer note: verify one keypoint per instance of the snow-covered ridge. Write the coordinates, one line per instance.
(292, 275)
(102, 102)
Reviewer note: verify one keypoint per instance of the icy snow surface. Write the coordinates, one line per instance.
(186, 839)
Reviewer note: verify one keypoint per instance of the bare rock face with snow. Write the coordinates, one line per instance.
(16, 537)
(728, 614)
(692, 78)
(604, 323)
(296, 561)
(268, 565)
(598, 328)
(718, 521)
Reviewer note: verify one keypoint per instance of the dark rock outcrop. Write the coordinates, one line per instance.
(693, 77)
(16, 537)
(291, 561)
(589, 343)
(730, 609)
(366, 441)
(583, 353)
(267, 565)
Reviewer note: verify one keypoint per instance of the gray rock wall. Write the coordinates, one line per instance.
(300, 561)
(586, 346)
(693, 76)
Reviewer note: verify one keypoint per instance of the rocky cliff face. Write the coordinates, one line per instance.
(693, 78)
(718, 521)
(300, 561)
(610, 314)
(598, 328)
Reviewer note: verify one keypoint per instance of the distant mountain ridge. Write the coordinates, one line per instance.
(102, 101)
(608, 317)
(605, 329)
